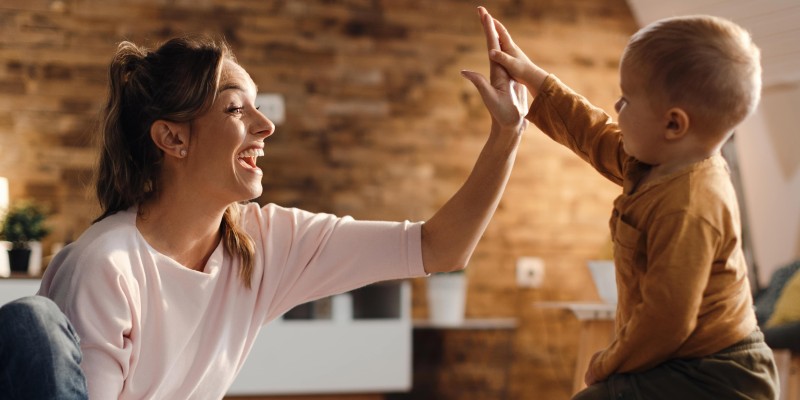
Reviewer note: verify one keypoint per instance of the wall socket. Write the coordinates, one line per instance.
(530, 272)
(272, 106)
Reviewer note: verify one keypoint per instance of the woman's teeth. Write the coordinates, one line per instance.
(249, 156)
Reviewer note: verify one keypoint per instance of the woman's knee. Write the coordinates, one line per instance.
(30, 308)
(36, 318)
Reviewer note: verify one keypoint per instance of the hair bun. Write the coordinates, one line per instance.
(128, 59)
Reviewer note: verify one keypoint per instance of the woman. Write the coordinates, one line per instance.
(169, 288)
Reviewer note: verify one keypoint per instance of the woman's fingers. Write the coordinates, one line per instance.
(492, 39)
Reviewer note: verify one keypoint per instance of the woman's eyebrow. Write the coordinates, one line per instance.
(234, 86)
(228, 86)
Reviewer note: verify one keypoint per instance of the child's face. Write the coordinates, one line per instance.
(641, 124)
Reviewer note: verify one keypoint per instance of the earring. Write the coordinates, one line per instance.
(183, 152)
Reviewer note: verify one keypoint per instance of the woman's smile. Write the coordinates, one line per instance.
(247, 159)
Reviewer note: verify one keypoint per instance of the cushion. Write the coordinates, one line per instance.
(766, 299)
(787, 308)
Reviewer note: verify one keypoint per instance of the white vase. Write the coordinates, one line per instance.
(35, 262)
(5, 268)
(447, 297)
(342, 307)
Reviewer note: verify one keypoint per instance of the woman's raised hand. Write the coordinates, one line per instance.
(505, 98)
(508, 55)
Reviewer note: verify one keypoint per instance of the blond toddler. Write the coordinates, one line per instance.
(685, 325)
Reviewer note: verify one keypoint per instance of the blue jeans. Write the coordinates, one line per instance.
(39, 352)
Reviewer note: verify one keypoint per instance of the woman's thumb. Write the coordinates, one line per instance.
(478, 80)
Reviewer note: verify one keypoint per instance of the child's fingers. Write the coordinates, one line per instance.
(506, 43)
(504, 59)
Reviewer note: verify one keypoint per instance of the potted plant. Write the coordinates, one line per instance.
(447, 297)
(24, 226)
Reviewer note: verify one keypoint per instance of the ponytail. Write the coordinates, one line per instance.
(237, 241)
(129, 160)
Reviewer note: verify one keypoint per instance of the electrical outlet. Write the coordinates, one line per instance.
(530, 272)
(272, 106)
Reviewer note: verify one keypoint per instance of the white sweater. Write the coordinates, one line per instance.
(151, 328)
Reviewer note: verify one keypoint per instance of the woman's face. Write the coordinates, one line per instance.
(226, 140)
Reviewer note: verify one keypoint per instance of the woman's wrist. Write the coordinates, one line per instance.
(505, 136)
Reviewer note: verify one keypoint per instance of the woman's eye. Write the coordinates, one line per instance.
(236, 110)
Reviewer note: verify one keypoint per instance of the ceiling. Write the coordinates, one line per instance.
(774, 25)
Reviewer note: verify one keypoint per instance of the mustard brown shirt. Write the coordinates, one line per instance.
(681, 273)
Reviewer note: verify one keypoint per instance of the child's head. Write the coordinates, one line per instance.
(707, 66)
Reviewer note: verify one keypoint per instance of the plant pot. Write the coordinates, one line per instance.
(447, 297)
(18, 259)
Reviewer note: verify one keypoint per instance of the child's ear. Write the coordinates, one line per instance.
(677, 123)
(171, 137)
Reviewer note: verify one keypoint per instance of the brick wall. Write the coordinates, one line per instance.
(380, 125)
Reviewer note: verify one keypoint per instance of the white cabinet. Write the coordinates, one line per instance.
(355, 344)
(12, 289)
(368, 353)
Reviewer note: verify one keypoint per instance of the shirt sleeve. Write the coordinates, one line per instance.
(308, 255)
(569, 119)
(680, 255)
(96, 298)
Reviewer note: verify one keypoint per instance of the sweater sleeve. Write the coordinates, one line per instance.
(96, 298)
(309, 255)
(588, 131)
(680, 255)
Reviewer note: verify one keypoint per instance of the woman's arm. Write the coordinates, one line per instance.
(450, 236)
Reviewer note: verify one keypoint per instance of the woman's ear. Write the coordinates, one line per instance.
(171, 137)
(677, 124)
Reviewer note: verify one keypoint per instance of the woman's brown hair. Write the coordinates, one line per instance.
(176, 82)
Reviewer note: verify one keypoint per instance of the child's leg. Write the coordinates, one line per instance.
(745, 370)
(39, 352)
(616, 387)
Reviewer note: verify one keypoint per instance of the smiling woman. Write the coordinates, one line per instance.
(170, 286)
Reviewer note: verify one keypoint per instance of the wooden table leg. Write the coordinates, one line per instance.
(793, 386)
(595, 335)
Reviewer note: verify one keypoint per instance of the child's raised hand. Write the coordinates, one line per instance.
(509, 55)
(506, 99)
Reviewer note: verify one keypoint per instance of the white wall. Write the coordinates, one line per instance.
(768, 146)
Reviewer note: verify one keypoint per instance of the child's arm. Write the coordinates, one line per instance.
(562, 114)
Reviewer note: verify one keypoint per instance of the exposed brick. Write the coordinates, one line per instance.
(380, 125)
(12, 86)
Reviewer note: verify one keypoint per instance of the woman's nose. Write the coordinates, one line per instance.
(262, 126)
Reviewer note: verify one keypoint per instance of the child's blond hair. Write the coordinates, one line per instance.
(707, 65)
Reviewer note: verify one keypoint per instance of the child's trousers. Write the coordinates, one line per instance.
(745, 370)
